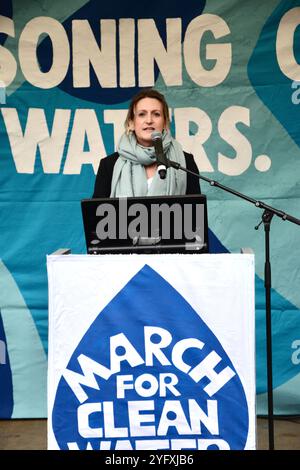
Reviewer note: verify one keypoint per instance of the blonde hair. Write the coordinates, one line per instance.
(149, 93)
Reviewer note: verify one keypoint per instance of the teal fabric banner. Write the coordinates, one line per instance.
(230, 72)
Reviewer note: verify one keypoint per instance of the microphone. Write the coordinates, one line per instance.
(160, 156)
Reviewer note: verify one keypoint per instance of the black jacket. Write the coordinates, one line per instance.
(104, 175)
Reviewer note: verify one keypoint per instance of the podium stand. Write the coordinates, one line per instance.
(151, 352)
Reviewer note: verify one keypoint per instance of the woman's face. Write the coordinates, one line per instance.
(148, 117)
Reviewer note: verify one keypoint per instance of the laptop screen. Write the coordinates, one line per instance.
(160, 224)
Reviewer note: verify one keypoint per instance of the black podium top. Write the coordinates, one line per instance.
(160, 224)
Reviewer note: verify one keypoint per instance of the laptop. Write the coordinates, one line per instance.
(156, 224)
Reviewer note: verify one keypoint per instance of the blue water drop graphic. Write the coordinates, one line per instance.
(147, 300)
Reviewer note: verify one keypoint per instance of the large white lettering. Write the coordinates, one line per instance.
(85, 129)
(86, 51)
(29, 40)
(184, 117)
(285, 44)
(168, 60)
(220, 53)
(121, 349)
(24, 145)
(148, 50)
(141, 419)
(8, 64)
(228, 131)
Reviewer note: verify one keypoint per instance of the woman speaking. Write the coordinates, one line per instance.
(132, 170)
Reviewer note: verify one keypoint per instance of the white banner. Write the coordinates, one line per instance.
(151, 352)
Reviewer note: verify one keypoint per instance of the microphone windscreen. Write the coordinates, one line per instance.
(156, 135)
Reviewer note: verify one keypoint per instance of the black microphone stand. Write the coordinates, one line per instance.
(267, 216)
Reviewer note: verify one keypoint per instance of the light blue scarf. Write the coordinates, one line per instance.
(129, 175)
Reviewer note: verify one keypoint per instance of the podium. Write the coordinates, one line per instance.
(151, 352)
